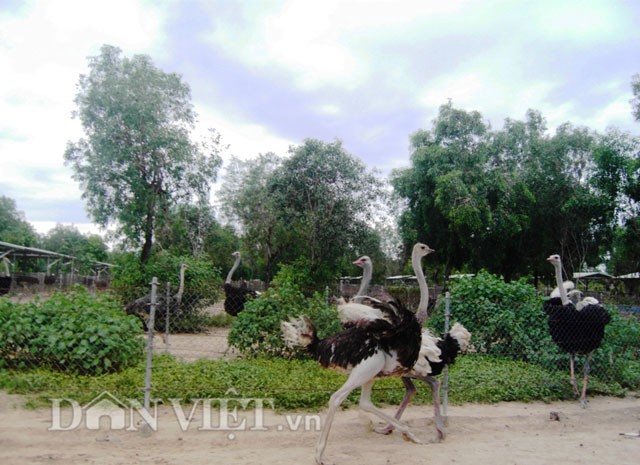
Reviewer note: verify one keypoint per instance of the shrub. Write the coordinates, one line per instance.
(505, 319)
(74, 332)
(256, 330)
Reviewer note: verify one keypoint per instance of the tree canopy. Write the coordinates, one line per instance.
(313, 207)
(504, 200)
(137, 158)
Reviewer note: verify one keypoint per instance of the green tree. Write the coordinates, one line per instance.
(14, 228)
(246, 200)
(504, 200)
(138, 158)
(445, 187)
(324, 196)
(68, 240)
(617, 160)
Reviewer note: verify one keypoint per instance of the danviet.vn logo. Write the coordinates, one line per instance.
(231, 414)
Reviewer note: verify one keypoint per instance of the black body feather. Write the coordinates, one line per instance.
(576, 331)
(236, 297)
(362, 339)
(450, 349)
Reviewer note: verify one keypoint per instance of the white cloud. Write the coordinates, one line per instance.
(246, 140)
(329, 109)
(577, 20)
(44, 227)
(319, 43)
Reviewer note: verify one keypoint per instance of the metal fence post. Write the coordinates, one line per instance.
(146, 429)
(166, 320)
(445, 374)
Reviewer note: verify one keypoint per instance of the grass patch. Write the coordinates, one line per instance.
(295, 384)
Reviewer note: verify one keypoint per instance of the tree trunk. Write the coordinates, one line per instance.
(148, 239)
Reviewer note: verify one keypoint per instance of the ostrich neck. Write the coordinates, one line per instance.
(232, 270)
(181, 287)
(366, 279)
(421, 312)
(561, 289)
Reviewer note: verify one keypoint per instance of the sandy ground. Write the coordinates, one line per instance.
(506, 433)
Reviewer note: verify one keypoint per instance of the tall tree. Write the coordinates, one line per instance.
(325, 196)
(138, 158)
(445, 188)
(246, 200)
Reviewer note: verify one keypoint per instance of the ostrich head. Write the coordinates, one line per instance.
(554, 259)
(235, 254)
(422, 250)
(363, 261)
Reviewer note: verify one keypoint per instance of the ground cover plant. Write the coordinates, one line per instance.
(294, 384)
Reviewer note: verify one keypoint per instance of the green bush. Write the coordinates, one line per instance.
(505, 319)
(74, 332)
(256, 330)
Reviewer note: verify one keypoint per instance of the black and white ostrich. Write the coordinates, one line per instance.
(236, 297)
(367, 349)
(435, 354)
(575, 328)
(140, 307)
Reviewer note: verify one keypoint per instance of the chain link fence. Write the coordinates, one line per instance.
(193, 325)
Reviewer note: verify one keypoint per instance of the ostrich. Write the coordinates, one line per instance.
(366, 264)
(435, 354)
(5, 279)
(235, 297)
(367, 349)
(575, 328)
(140, 306)
(359, 307)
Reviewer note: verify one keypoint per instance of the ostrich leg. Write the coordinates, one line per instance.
(573, 373)
(587, 369)
(410, 391)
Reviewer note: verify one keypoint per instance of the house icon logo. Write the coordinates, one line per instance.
(103, 412)
(106, 407)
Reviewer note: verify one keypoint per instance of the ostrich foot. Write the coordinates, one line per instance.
(384, 429)
(410, 437)
(441, 433)
(584, 402)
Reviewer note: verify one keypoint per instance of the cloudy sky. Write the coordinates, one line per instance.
(268, 74)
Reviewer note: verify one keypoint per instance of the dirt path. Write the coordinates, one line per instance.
(501, 434)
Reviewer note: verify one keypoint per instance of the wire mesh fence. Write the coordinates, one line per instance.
(87, 333)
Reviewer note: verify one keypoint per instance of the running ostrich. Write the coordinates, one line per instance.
(575, 328)
(368, 349)
(435, 353)
(140, 307)
(235, 297)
